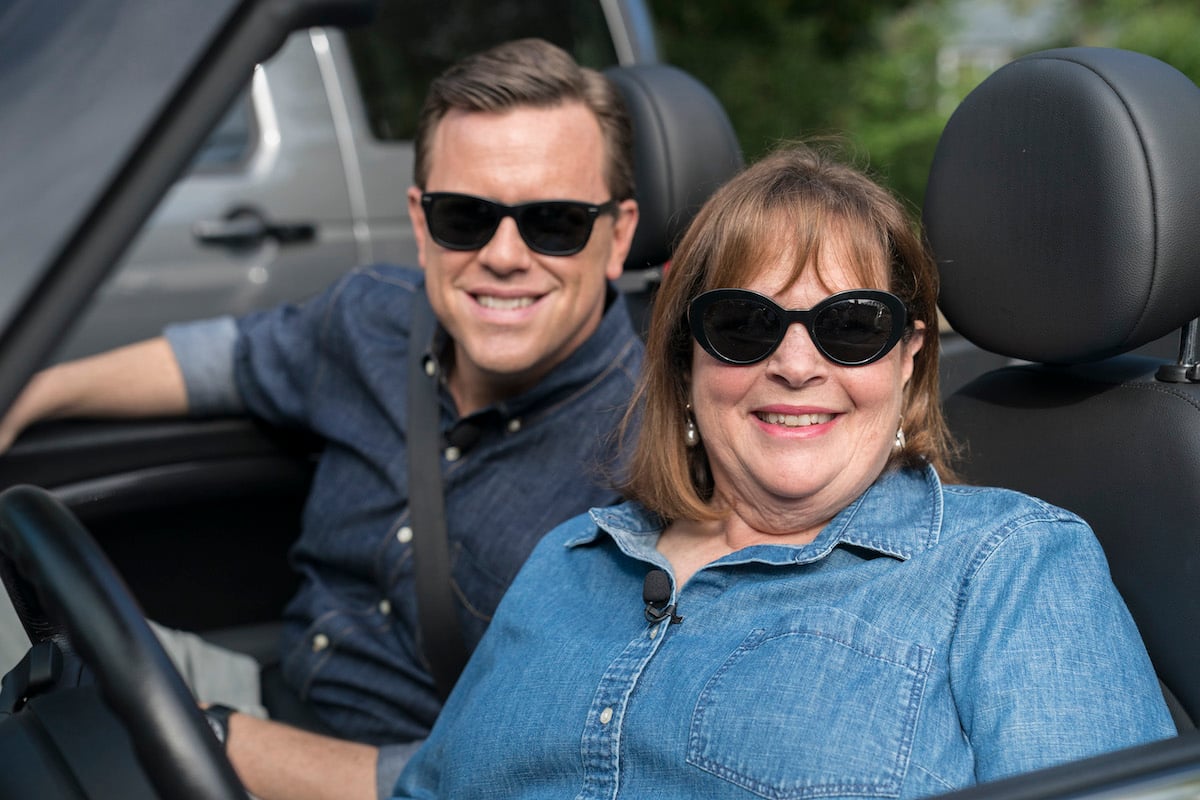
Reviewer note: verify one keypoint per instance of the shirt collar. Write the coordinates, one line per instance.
(899, 515)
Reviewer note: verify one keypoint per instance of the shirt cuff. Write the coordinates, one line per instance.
(204, 351)
(392, 760)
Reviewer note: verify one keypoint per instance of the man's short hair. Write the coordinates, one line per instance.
(535, 73)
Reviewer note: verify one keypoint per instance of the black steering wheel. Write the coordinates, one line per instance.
(66, 591)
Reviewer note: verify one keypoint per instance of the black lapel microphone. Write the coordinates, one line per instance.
(656, 591)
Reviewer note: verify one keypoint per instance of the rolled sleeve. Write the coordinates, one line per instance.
(205, 353)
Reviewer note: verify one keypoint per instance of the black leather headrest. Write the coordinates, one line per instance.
(1063, 206)
(684, 148)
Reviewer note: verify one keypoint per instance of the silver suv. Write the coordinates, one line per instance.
(306, 175)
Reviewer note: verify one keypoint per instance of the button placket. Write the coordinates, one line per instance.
(601, 744)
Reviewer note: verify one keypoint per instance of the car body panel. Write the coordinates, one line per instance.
(291, 175)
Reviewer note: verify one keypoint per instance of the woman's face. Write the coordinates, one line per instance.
(794, 438)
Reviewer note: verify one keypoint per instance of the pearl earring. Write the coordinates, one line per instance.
(691, 436)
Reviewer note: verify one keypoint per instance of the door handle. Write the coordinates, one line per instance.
(247, 227)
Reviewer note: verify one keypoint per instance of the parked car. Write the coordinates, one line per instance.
(196, 516)
(306, 174)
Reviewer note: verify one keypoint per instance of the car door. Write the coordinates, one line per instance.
(262, 216)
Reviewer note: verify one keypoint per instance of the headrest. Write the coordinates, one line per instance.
(1063, 206)
(684, 148)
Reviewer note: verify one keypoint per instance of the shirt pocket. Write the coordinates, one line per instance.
(823, 706)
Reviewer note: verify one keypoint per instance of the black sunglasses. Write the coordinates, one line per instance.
(851, 328)
(549, 227)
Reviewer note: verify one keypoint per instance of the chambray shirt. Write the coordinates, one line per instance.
(336, 365)
(931, 637)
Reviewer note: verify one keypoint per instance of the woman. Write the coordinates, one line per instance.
(823, 615)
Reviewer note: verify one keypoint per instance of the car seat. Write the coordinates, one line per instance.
(1062, 210)
(684, 148)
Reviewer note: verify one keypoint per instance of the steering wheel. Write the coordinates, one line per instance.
(65, 590)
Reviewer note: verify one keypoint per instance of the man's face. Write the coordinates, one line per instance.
(513, 313)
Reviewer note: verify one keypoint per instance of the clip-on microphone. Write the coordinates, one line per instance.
(656, 591)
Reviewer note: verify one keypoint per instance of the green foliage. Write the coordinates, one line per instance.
(875, 73)
(798, 69)
(838, 28)
(1169, 30)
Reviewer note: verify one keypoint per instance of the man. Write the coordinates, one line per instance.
(537, 360)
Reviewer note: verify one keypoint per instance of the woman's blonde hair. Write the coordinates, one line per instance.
(786, 205)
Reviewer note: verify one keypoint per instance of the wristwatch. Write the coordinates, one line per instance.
(218, 719)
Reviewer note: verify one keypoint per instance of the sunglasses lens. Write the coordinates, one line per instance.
(742, 331)
(556, 228)
(854, 331)
(461, 222)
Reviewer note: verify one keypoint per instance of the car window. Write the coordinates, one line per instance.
(229, 144)
(411, 41)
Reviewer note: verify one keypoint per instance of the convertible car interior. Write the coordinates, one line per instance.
(1061, 207)
(175, 502)
(190, 522)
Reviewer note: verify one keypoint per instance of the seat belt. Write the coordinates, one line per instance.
(440, 635)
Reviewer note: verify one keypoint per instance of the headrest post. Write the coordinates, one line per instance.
(1187, 370)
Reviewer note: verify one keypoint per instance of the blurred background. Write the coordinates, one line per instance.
(319, 144)
(886, 74)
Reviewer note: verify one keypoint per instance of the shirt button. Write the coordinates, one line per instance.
(404, 535)
(320, 642)
(452, 453)
(430, 367)
(385, 606)
(514, 425)
(606, 716)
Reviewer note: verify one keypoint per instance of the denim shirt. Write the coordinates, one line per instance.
(931, 637)
(336, 365)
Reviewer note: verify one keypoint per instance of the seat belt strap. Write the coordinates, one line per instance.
(440, 636)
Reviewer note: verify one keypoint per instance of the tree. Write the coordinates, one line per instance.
(1165, 29)
(875, 73)
(784, 69)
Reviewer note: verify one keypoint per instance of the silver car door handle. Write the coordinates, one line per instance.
(245, 227)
